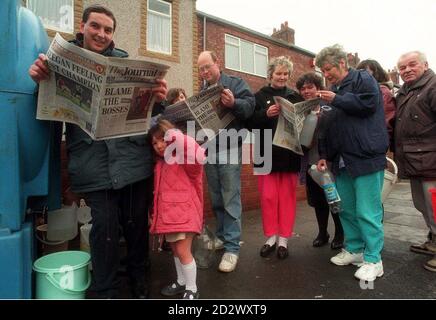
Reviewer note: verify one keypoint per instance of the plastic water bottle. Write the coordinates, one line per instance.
(331, 193)
(325, 181)
(308, 130)
(203, 249)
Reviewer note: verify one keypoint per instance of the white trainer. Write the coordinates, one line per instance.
(228, 262)
(345, 258)
(369, 271)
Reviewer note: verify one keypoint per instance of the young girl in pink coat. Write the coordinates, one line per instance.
(178, 201)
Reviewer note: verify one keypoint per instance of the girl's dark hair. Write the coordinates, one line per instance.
(98, 9)
(174, 93)
(310, 77)
(377, 71)
(159, 129)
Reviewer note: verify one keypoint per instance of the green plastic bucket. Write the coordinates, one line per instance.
(62, 275)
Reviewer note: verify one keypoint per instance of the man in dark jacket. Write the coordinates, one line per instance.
(223, 178)
(112, 175)
(356, 144)
(415, 140)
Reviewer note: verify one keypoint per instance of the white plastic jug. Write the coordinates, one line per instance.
(62, 223)
(389, 180)
(83, 213)
(84, 237)
(84, 240)
(49, 246)
(309, 126)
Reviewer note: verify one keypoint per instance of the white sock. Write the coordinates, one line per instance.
(190, 273)
(179, 270)
(283, 242)
(271, 240)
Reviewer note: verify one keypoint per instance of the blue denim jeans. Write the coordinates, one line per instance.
(224, 182)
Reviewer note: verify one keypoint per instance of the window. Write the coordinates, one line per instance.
(57, 15)
(159, 26)
(245, 56)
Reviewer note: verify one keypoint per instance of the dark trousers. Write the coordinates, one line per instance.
(316, 199)
(125, 209)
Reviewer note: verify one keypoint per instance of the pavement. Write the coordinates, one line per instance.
(307, 273)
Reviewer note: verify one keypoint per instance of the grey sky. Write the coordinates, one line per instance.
(377, 29)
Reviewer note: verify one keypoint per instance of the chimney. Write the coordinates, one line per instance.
(285, 33)
(394, 76)
(353, 60)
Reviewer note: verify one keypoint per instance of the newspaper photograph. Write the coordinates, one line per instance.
(107, 97)
(204, 108)
(290, 122)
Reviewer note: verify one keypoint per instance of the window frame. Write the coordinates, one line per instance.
(77, 17)
(174, 56)
(255, 52)
(150, 11)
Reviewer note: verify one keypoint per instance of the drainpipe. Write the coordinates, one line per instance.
(204, 33)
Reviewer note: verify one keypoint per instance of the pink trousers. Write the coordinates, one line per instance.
(278, 201)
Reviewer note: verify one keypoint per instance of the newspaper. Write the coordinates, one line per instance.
(290, 122)
(107, 97)
(205, 109)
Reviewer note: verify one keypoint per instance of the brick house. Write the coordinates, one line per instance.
(228, 39)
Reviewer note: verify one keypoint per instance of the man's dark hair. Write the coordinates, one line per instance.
(98, 9)
(310, 77)
(377, 70)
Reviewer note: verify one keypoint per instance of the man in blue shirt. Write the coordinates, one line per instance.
(223, 178)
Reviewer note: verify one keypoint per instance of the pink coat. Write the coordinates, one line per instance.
(178, 195)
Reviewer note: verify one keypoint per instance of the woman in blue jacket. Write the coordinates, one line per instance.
(356, 143)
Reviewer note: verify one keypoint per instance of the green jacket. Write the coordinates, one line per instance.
(109, 164)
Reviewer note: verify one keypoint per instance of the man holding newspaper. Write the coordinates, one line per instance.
(112, 175)
(223, 176)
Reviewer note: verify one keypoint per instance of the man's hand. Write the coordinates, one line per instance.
(327, 96)
(273, 111)
(39, 70)
(161, 91)
(227, 98)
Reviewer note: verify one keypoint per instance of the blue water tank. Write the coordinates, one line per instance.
(29, 148)
(16, 256)
(26, 144)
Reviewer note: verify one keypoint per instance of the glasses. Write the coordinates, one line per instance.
(206, 67)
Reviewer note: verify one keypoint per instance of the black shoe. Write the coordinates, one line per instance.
(189, 295)
(321, 240)
(337, 243)
(172, 289)
(140, 290)
(424, 248)
(282, 252)
(266, 250)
